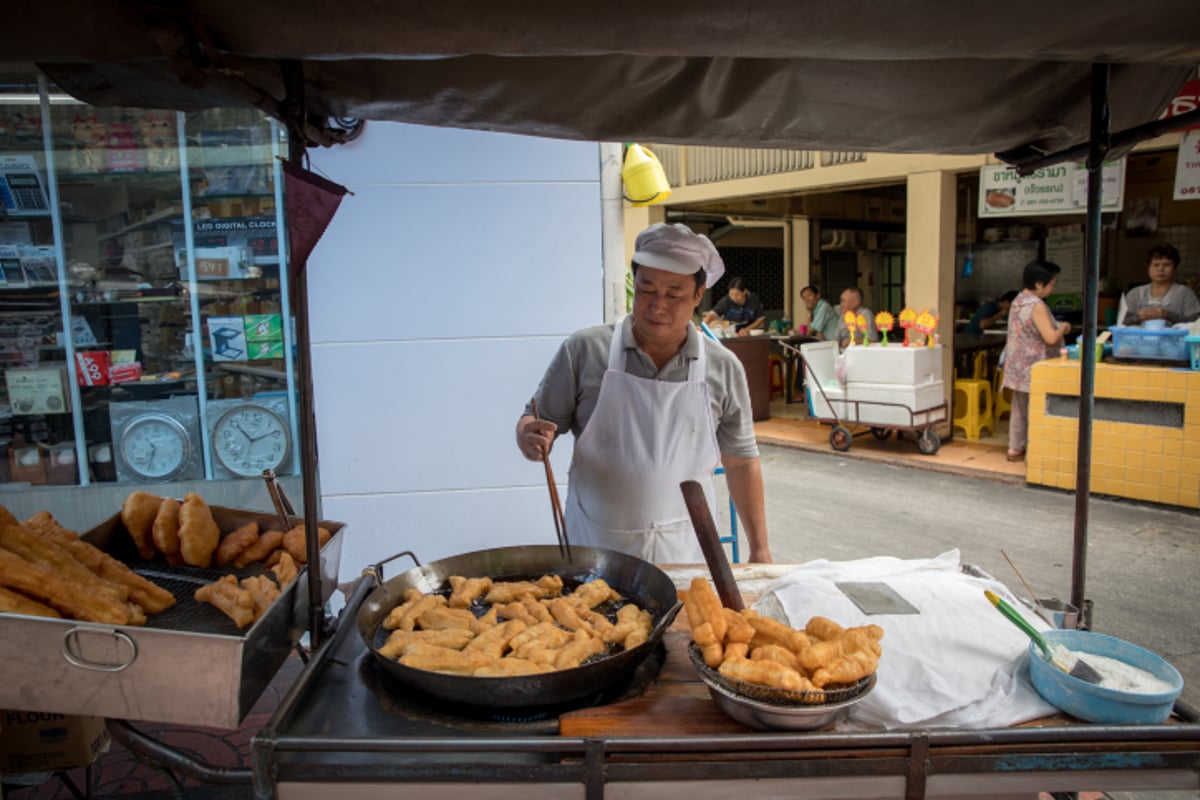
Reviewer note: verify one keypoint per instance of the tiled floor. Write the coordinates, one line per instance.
(984, 457)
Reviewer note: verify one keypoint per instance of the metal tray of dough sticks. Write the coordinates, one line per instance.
(189, 664)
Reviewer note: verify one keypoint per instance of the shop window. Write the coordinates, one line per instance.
(144, 329)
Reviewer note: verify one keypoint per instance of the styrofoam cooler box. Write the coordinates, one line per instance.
(860, 402)
(893, 364)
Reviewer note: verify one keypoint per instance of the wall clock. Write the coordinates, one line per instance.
(154, 446)
(249, 438)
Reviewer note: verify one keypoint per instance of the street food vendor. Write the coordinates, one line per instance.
(741, 307)
(1161, 298)
(651, 403)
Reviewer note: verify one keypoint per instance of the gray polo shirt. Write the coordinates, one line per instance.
(570, 388)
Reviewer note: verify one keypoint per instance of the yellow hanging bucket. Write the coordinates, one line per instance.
(645, 181)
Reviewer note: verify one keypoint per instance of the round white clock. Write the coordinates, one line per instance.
(250, 438)
(154, 446)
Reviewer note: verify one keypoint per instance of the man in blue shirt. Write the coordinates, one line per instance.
(824, 321)
(989, 313)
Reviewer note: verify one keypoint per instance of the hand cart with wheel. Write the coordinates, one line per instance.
(881, 408)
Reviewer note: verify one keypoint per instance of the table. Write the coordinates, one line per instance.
(966, 346)
(754, 353)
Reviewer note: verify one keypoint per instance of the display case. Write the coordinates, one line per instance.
(144, 328)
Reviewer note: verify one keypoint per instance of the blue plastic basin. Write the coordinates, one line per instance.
(1093, 703)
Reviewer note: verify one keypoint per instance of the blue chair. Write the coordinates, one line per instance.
(732, 538)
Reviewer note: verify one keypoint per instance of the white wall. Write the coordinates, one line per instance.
(438, 295)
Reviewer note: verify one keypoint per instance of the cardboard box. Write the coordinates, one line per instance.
(264, 328)
(35, 742)
(92, 367)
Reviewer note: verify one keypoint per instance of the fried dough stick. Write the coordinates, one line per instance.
(47, 554)
(467, 590)
(235, 543)
(510, 591)
(232, 600)
(16, 603)
(198, 533)
(264, 592)
(138, 513)
(68, 598)
(165, 531)
(146, 594)
(295, 542)
(285, 571)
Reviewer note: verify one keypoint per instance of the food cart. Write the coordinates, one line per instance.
(884, 388)
(331, 727)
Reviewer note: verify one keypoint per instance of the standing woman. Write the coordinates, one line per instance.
(1033, 335)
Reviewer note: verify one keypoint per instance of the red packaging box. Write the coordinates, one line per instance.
(125, 373)
(92, 367)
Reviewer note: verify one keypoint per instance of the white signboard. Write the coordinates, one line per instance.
(1060, 189)
(1187, 167)
(1064, 246)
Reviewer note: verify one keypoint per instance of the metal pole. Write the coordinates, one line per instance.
(294, 107)
(1087, 348)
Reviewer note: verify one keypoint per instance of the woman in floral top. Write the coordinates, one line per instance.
(1033, 335)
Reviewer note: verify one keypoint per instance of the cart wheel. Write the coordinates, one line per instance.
(929, 443)
(840, 439)
(882, 434)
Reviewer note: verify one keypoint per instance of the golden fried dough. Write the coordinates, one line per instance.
(595, 592)
(234, 601)
(466, 591)
(285, 571)
(263, 590)
(58, 560)
(198, 533)
(510, 591)
(773, 652)
(442, 659)
(138, 513)
(145, 593)
(510, 667)
(399, 642)
(822, 628)
(494, 641)
(578, 651)
(439, 618)
(165, 530)
(294, 542)
(702, 605)
(235, 543)
(259, 549)
(6, 517)
(16, 603)
(771, 631)
(65, 596)
(765, 673)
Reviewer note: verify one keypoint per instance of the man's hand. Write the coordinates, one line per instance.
(535, 437)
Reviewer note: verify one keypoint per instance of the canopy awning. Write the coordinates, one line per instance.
(921, 76)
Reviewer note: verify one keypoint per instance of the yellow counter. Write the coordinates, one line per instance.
(1145, 431)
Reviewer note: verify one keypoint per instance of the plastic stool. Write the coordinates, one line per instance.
(979, 368)
(1001, 397)
(732, 538)
(777, 376)
(973, 407)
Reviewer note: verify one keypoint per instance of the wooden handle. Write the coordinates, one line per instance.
(1014, 616)
(710, 543)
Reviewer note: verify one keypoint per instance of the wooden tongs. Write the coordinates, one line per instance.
(560, 522)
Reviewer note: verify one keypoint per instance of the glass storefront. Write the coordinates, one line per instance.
(145, 333)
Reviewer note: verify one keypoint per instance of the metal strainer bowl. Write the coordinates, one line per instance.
(768, 708)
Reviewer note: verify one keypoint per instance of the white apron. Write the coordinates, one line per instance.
(645, 437)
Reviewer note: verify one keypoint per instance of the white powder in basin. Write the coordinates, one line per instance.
(1118, 675)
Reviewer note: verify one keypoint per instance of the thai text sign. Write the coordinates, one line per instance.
(1060, 189)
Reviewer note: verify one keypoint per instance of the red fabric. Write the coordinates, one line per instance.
(310, 202)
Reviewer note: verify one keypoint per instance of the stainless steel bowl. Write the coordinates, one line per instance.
(771, 717)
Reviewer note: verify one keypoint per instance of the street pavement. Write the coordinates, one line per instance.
(1142, 559)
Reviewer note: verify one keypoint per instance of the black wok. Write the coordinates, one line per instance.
(639, 581)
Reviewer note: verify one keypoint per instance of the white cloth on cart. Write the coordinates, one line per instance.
(958, 663)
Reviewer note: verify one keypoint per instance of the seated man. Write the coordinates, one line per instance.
(852, 300)
(824, 319)
(989, 313)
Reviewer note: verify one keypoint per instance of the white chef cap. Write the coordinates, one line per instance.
(677, 248)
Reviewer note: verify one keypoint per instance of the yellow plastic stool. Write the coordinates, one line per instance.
(973, 407)
(979, 370)
(1001, 397)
